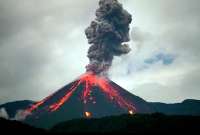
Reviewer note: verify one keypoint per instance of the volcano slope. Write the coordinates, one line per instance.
(90, 96)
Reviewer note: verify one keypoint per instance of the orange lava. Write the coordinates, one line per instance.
(35, 106)
(131, 112)
(90, 80)
(88, 114)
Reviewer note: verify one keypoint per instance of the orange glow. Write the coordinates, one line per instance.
(36, 105)
(90, 80)
(88, 114)
(131, 112)
(57, 105)
(93, 80)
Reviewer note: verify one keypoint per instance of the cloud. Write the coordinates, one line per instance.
(37, 37)
(166, 59)
(35, 40)
(170, 27)
(140, 37)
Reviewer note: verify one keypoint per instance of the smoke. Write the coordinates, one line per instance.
(19, 116)
(107, 34)
(140, 37)
(3, 113)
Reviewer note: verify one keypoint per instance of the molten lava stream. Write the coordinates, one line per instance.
(57, 105)
(88, 114)
(114, 94)
(93, 80)
(36, 105)
(89, 79)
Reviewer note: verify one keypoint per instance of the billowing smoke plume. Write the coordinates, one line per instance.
(106, 34)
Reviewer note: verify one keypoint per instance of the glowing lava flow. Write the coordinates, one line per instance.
(89, 80)
(88, 114)
(35, 106)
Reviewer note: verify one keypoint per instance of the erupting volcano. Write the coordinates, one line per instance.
(93, 95)
(90, 96)
(89, 80)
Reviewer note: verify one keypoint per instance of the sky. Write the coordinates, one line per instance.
(43, 47)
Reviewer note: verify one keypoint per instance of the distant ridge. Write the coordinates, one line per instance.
(187, 107)
(12, 107)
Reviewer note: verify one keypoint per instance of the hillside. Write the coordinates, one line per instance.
(155, 123)
(187, 107)
(8, 126)
(12, 107)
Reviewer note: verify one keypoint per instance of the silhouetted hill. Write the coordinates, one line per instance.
(12, 107)
(155, 123)
(187, 107)
(139, 123)
(8, 126)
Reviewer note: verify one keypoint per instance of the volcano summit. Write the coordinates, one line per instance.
(93, 94)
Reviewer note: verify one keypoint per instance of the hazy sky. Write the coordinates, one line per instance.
(43, 47)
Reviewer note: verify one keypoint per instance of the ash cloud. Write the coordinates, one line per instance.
(106, 34)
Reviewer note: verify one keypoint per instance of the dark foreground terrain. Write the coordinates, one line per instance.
(154, 123)
(132, 124)
(8, 126)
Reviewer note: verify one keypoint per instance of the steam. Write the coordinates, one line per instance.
(107, 35)
(3, 113)
(20, 115)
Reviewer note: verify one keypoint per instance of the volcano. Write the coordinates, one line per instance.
(93, 95)
(90, 96)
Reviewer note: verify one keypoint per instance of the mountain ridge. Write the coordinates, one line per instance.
(28, 103)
